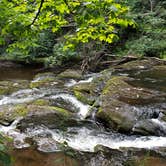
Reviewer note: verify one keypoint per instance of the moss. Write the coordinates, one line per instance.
(43, 82)
(43, 79)
(41, 102)
(61, 111)
(84, 97)
(2, 114)
(8, 87)
(20, 110)
(113, 84)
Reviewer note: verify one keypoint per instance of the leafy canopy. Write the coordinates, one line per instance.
(21, 21)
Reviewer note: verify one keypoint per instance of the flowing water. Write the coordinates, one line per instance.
(83, 137)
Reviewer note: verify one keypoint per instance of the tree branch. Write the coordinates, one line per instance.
(151, 5)
(38, 12)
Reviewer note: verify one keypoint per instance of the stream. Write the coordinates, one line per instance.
(84, 135)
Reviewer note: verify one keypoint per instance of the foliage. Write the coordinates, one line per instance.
(5, 159)
(149, 38)
(60, 55)
(25, 25)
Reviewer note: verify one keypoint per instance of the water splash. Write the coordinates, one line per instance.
(83, 108)
(11, 131)
(22, 96)
(79, 138)
(86, 140)
(73, 82)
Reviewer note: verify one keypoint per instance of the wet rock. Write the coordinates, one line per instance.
(45, 80)
(104, 156)
(119, 104)
(83, 92)
(8, 87)
(9, 113)
(32, 157)
(123, 157)
(63, 103)
(31, 113)
(153, 78)
(143, 64)
(89, 92)
(70, 74)
(52, 117)
(150, 127)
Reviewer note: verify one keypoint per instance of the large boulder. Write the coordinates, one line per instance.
(122, 105)
(38, 112)
(143, 64)
(52, 117)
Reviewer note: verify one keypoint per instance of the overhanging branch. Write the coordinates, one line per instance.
(38, 12)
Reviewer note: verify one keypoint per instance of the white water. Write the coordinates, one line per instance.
(11, 131)
(86, 140)
(73, 82)
(82, 139)
(159, 122)
(83, 108)
(21, 96)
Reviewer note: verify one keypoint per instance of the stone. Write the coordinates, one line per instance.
(150, 127)
(8, 87)
(71, 74)
(120, 102)
(146, 63)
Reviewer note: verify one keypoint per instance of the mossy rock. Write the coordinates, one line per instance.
(8, 87)
(118, 104)
(89, 92)
(83, 92)
(41, 102)
(10, 113)
(142, 64)
(71, 74)
(43, 80)
(50, 116)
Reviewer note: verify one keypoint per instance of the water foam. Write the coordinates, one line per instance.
(73, 82)
(86, 140)
(82, 139)
(84, 109)
(21, 96)
(11, 131)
